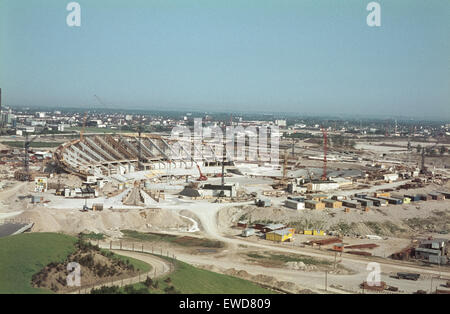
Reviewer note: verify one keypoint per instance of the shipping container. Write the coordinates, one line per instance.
(425, 197)
(446, 194)
(383, 194)
(377, 201)
(318, 232)
(364, 202)
(280, 235)
(248, 232)
(314, 204)
(436, 196)
(412, 197)
(329, 203)
(294, 204)
(351, 204)
(393, 201)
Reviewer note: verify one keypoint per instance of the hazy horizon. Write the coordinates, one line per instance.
(266, 56)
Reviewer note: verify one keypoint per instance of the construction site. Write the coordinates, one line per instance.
(378, 200)
(233, 148)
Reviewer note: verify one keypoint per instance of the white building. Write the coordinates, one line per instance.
(322, 186)
(280, 123)
(294, 204)
(390, 177)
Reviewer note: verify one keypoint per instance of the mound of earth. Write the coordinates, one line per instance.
(97, 267)
(107, 221)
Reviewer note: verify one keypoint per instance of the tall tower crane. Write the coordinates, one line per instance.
(325, 137)
(26, 175)
(84, 126)
(100, 101)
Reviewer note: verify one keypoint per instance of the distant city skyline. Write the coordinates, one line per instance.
(267, 56)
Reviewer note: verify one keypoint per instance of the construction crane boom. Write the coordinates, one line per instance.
(140, 165)
(84, 126)
(202, 177)
(325, 137)
(100, 101)
(284, 167)
(27, 144)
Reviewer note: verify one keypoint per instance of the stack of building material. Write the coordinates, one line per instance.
(379, 287)
(362, 253)
(362, 246)
(325, 241)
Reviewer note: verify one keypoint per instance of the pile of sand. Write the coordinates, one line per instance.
(107, 222)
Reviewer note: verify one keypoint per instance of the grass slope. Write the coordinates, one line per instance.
(187, 279)
(23, 255)
(178, 240)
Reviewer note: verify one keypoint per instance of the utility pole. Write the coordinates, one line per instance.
(26, 157)
(326, 280)
(431, 285)
(27, 145)
(335, 257)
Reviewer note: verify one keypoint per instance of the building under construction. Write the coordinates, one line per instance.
(106, 155)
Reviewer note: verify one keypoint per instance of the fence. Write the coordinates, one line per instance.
(126, 280)
(25, 221)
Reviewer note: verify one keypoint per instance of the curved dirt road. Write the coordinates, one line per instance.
(160, 267)
(207, 212)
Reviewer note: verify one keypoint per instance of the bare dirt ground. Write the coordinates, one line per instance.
(64, 215)
(398, 223)
(107, 222)
(388, 221)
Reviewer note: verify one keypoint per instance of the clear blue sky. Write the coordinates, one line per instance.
(304, 56)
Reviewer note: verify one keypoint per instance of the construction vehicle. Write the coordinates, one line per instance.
(201, 177)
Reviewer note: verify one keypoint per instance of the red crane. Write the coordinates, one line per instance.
(202, 177)
(324, 175)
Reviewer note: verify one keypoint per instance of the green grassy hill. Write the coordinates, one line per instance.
(23, 255)
(187, 279)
